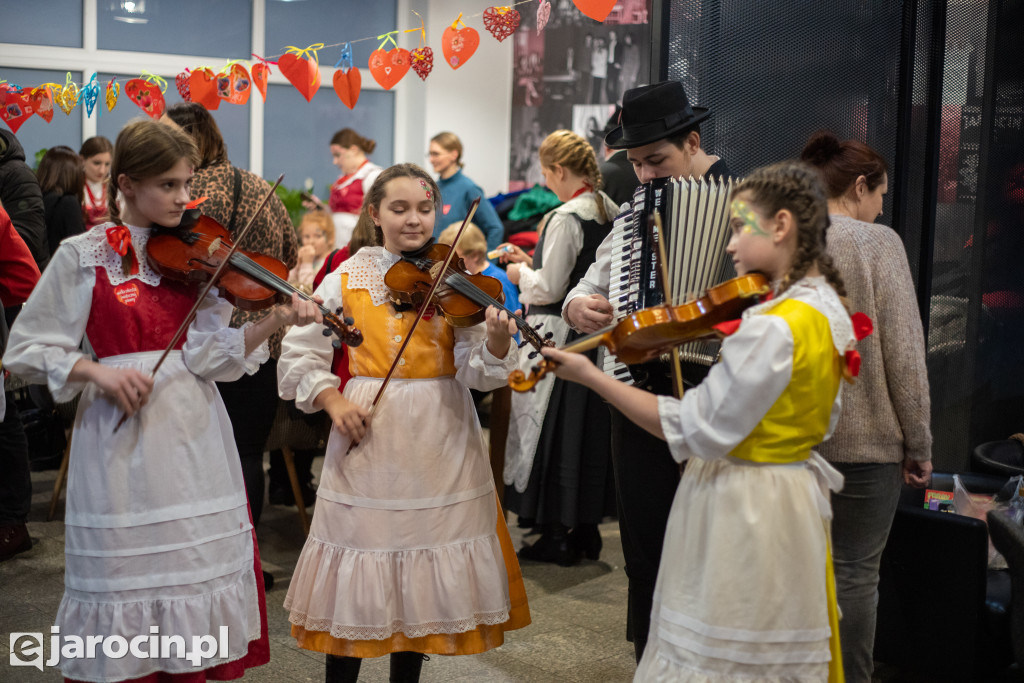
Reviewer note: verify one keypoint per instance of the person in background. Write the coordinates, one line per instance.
(232, 196)
(62, 179)
(20, 193)
(349, 152)
(458, 191)
(884, 433)
(619, 178)
(472, 249)
(316, 235)
(97, 153)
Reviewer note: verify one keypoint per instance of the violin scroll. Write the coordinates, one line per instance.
(521, 382)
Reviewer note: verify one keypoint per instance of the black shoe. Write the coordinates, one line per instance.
(553, 547)
(586, 539)
(14, 539)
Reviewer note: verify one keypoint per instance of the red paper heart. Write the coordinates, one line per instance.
(598, 10)
(17, 108)
(422, 61)
(234, 85)
(203, 86)
(459, 45)
(388, 68)
(500, 23)
(260, 72)
(3, 93)
(181, 80)
(303, 73)
(348, 85)
(147, 95)
(42, 102)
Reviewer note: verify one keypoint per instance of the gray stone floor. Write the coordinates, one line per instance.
(578, 613)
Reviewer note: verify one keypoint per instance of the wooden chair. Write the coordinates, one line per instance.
(287, 434)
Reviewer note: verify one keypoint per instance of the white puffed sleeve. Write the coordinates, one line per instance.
(43, 346)
(477, 367)
(712, 419)
(214, 350)
(304, 368)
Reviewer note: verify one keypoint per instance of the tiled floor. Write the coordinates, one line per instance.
(578, 613)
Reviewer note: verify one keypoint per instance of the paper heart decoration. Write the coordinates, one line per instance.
(388, 68)
(42, 102)
(260, 72)
(422, 61)
(303, 73)
(458, 45)
(543, 14)
(4, 87)
(181, 81)
(348, 86)
(110, 96)
(234, 85)
(202, 85)
(17, 108)
(501, 21)
(67, 98)
(147, 95)
(598, 10)
(90, 94)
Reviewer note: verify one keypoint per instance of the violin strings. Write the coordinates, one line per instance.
(478, 296)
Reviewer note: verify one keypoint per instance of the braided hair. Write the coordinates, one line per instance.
(572, 152)
(796, 187)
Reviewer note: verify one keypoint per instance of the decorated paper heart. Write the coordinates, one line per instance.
(67, 98)
(234, 85)
(4, 87)
(348, 86)
(458, 45)
(113, 90)
(147, 95)
(422, 61)
(260, 73)
(303, 73)
(42, 102)
(501, 21)
(543, 14)
(598, 10)
(90, 94)
(17, 108)
(202, 84)
(181, 81)
(388, 68)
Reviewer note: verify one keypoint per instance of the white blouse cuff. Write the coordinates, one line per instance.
(671, 425)
(57, 382)
(312, 385)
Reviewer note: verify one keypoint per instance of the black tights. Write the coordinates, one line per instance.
(405, 668)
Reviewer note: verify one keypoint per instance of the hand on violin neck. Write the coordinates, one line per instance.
(500, 330)
(351, 419)
(589, 313)
(573, 367)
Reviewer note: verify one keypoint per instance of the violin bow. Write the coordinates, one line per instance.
(423, 309)
(677, 372)
(206, 288)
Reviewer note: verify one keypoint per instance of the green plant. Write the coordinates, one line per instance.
(292, 200)
(39, 157)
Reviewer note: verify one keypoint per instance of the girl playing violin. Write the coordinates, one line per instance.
(158, 535)
(408, 554)
(745, 589)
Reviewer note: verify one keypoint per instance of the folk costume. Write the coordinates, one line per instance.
(346, 199)
(745, 590)
(157, 524)
(95, 204)
(407, 550)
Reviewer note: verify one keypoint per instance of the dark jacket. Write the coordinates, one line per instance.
(63, 218)
(22, 198)
(619, 178)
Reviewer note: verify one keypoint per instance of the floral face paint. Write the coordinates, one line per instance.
(744, 220)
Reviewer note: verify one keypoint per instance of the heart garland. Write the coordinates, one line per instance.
(202, 85)
(459, 44)
(543, 14)
(302, 72)
(501, 21)
(90, 94)
(181, 82)
(348, 85)
(68, 97)
(388, 68)
(42, 100)
(147, 93)
(260, 73)
(111, 93)
(422, 61)
(17, 108)
(598, 10)
(233, 84)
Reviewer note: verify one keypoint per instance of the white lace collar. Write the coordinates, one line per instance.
(817, 292)
(94, 250)
(366, 270)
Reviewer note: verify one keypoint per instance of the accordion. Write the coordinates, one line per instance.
(695, 220)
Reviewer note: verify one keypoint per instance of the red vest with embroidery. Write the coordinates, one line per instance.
(134, 317)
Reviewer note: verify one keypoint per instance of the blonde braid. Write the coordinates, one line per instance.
(569, 150)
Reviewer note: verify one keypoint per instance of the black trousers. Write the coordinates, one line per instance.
(251, 403)
(15, 480)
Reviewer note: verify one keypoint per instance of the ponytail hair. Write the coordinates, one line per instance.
(144, 149)
(346, 137)
(570, 151)
(842, 162)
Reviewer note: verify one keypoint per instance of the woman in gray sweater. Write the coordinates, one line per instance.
(883, 436)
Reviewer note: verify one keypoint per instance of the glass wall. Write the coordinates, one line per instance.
(33, 23)
(177, 27)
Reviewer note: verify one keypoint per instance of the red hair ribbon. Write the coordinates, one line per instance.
(120, 240)
(862, 325)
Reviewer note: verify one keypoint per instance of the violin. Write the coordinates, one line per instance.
(251, 282)
(650, 332)
(462, 298)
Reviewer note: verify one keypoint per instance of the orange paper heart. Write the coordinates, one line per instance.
(598, 10)
(202, 84)
(260, 72)
(17, 109)
(147, 95)
(234, 85)
(348, 85)
(388, 68)
(458, 45)
(42, 102)
(303, 73)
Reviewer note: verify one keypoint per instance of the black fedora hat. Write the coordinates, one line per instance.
(653, 112)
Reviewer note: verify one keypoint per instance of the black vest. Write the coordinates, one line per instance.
(593, 234)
